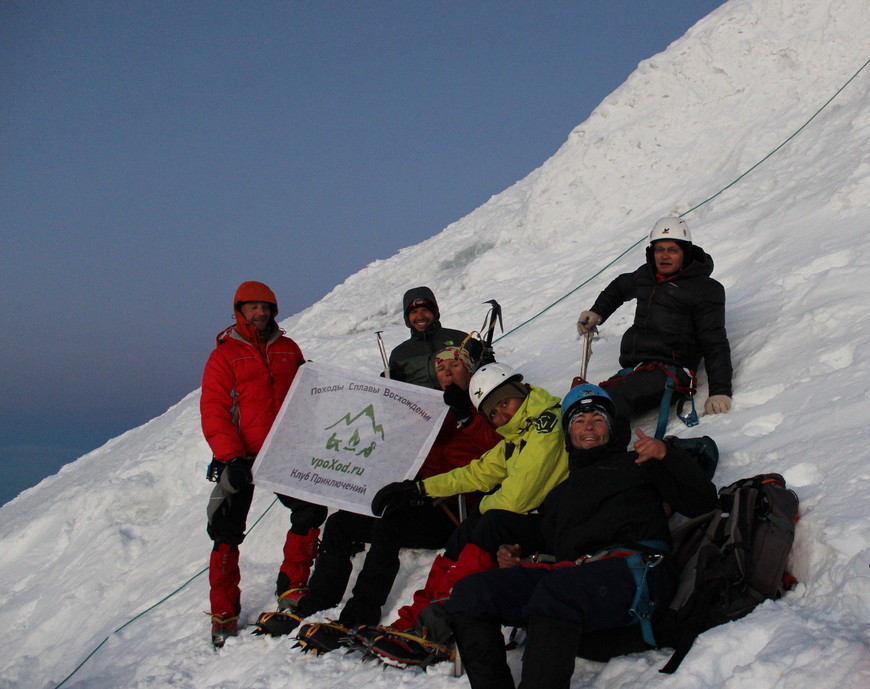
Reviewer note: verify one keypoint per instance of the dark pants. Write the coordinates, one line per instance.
(495, 528)
(593, 596)
(228, 522)
(641, 391)
(424, 527)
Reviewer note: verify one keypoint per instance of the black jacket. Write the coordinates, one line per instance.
(677, 321)
(609, 500)
(413, 360)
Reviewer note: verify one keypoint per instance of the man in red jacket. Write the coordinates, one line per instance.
(244, 383)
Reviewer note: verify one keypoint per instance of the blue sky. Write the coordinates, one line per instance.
(155, 154)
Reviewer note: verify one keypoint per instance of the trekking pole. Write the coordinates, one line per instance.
(383, 354)
(585, 355)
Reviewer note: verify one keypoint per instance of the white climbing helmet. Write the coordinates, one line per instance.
(670, 227)
(488, 378)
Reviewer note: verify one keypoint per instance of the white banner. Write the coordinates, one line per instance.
(342, 435)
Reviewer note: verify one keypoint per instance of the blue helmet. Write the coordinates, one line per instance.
(586, 397)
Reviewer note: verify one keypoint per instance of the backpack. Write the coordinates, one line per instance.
(729, 560)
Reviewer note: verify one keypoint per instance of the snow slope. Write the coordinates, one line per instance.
(91, 550)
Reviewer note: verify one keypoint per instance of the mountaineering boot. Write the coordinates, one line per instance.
(443, 575)
(223, 578)
(322, 637)
(299, 552)
(550, 651)
(276, 623)
(222, 628)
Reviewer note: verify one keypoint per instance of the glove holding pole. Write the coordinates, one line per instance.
(587, 323)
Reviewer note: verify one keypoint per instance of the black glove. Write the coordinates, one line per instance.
(236, 474)
(394, 496)
(458, 400)
(214, 470)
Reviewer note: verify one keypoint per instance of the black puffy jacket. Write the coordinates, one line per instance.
(609, 500)
(678, 321)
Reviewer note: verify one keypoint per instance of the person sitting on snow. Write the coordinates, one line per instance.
(604, 519)
(516, 475)
(679, 319)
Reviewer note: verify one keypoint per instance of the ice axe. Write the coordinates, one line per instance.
(584, 359)
(486, 333)
(487, 330)
(492, 316)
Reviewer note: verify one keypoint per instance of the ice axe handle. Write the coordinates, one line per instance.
(383, 354)
(584, 361)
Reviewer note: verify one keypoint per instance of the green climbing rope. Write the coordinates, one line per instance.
(149, 609)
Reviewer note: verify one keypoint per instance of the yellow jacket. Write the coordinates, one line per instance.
(523, 468)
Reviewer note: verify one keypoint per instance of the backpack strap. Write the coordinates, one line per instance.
(692, 625)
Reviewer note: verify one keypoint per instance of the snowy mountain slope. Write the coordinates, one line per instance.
(114, 532)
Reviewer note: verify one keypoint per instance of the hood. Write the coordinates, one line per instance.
(697, 262)
(419, 293)
(253, 291)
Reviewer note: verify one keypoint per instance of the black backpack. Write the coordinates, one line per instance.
(730, 560)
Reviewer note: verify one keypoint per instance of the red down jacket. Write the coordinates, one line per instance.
(242, 391)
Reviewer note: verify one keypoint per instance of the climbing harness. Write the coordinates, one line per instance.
(686, 393)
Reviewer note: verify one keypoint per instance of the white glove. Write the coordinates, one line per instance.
(717, 404)
(587, 321)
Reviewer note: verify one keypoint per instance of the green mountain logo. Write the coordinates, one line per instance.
(356, 433)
